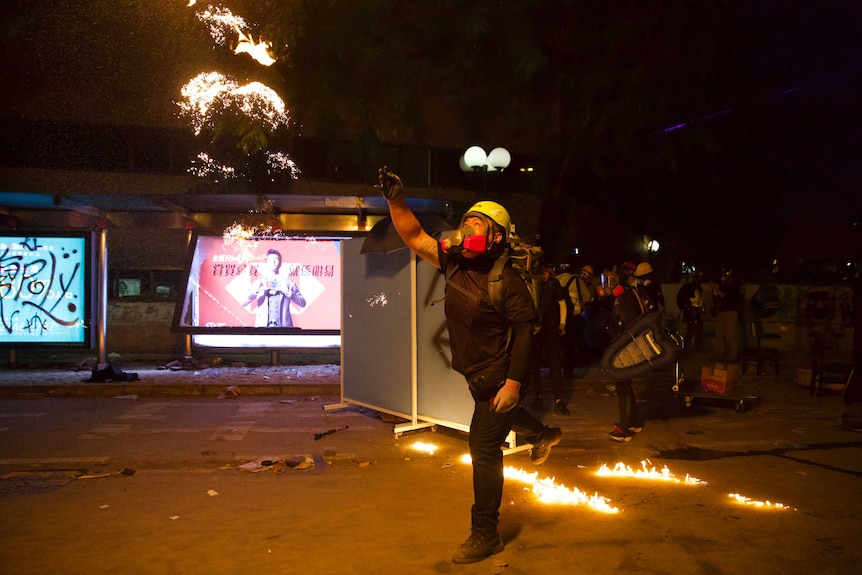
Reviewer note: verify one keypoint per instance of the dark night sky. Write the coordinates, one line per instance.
(787, 125)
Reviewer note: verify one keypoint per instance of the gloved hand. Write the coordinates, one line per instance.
(390, 184)
(507, 397)
(562, 329)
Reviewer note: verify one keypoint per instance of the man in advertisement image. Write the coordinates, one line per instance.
(272, 293)
(264, 284)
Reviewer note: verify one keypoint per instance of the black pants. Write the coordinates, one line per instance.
(628, 404)
(575, 350)
(488, 431)
(547, 346)
(694, 329)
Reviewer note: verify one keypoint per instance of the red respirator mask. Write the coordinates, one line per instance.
(464, 240)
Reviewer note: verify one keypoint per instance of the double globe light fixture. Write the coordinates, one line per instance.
(475, 159)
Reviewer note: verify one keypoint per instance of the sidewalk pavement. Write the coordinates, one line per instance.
(233, 379)
(372, 502)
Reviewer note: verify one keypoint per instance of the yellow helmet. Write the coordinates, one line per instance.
(643, 269)
(494, 211)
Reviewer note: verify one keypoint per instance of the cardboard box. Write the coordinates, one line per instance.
(803, 376)
(719, 378)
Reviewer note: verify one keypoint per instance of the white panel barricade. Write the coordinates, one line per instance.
(376, 332)
(443, 394)
(395, 354)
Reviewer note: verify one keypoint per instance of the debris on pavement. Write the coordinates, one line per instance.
(329, 432)
(278, 464)
(125, 471)
(229, 391)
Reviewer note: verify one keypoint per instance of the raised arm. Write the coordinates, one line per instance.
(405, 222)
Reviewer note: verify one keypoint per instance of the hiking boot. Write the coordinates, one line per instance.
(542, 448)
(477, 547)
(619, 435)
(560, 407)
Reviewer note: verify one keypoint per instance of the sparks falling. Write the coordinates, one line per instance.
(210, 93)
(645, 472)
(205, 166)
(221, 22)
(279, 162)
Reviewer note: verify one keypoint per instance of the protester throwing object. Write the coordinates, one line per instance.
(480, 346)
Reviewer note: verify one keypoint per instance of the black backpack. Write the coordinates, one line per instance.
(628, 306)
(495, 285)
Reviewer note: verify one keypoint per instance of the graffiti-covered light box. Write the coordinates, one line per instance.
(44, 289)
(263, 286)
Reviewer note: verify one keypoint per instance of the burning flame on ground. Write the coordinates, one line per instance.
(424, 447)
(623, 470)
(743, 500)
(548, 491)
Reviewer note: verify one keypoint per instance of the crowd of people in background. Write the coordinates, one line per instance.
(580, 315)
(597, 307)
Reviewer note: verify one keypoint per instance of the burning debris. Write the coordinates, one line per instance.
(645, 472)
(218, 104)
(551, 492)
(428, 448)
(743, 500)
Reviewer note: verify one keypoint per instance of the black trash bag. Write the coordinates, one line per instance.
(111, 373)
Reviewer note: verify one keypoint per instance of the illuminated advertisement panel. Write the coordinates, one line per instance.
(43, 292)
(265, 285)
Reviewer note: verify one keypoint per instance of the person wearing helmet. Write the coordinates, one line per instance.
(630, 302)
(547, 341)
(579, 298)
(649, 289)
(490, 349)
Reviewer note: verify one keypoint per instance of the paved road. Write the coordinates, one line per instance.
(367, 502)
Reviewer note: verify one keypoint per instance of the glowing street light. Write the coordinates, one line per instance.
(650, 245)
(475, 159)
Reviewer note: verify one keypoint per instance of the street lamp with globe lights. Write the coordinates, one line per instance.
(651, 246)
(475, 159)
